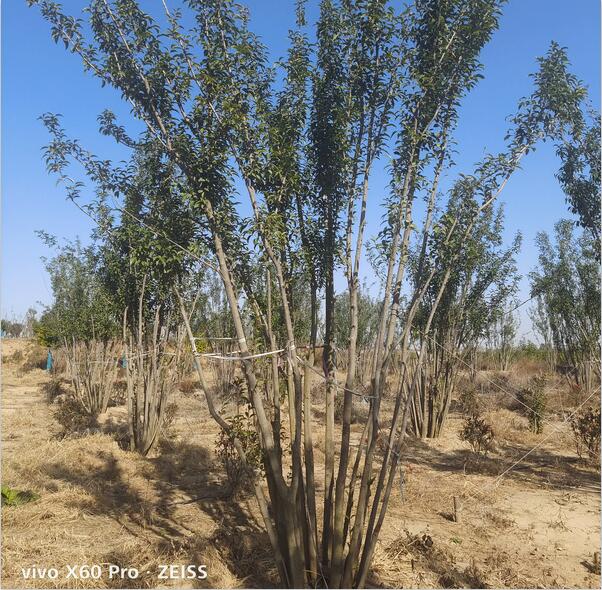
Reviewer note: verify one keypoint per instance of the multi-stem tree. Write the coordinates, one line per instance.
(479, 285)
(567, 287)
(303, 147)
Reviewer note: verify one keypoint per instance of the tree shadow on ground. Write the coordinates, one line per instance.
(182, 478)
(186, 475)
(107, 492)
(515, 462)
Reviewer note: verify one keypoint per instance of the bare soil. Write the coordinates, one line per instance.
(526, 520)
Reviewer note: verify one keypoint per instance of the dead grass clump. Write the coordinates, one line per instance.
(318, 391)
(59, 362)
(73, 418)
(169, 416)
(35, 358)
(115, 424)
(468, 401)
(481, 465)
(187, 386)
(16, 357)
(359, 410)
(249, 553)
(118, 396)
(499, 520)
(424, 552)
(52, 389)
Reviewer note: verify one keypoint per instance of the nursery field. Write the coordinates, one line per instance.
(528, 513)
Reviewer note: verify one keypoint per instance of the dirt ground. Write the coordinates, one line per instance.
(535, 524)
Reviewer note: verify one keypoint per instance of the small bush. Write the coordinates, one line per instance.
(52, 389)
(469, 402)
(586, 430)
(478, 433)
(73, 418)
(243, 429)
(534, 402)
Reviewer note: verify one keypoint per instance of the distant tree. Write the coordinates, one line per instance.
(11, 328)
(462, 305)
(541, 327)
(82, 308)
(368, 311)
(501, 336)
(567, 286)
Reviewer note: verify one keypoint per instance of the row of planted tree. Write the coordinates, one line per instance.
(175, 257)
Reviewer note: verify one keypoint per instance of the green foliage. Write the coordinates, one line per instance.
(11, 328)
(464, 301)
(82, 307)
(534, 401)
(46, 332)
(12, 497)
(586, 431)
(301, 140)
(579, 176)
(242, 428)
(478, 433)
(567, 286)
(368, 316)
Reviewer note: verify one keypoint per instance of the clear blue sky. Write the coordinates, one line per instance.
(39, 76)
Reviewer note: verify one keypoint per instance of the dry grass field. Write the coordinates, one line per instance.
(535, 524)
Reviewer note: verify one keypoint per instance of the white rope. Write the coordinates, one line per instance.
(236, 356)
(336, 384)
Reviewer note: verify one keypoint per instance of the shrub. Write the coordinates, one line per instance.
(242, 428)
(586, 430)
(469, 402)
(52, 389)
(93, 371)
(534, 402)
(478, 433)
(73, 417)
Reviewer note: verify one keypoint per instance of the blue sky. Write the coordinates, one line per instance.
(39, 76)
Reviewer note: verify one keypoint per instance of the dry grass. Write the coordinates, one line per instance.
(99, 503)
